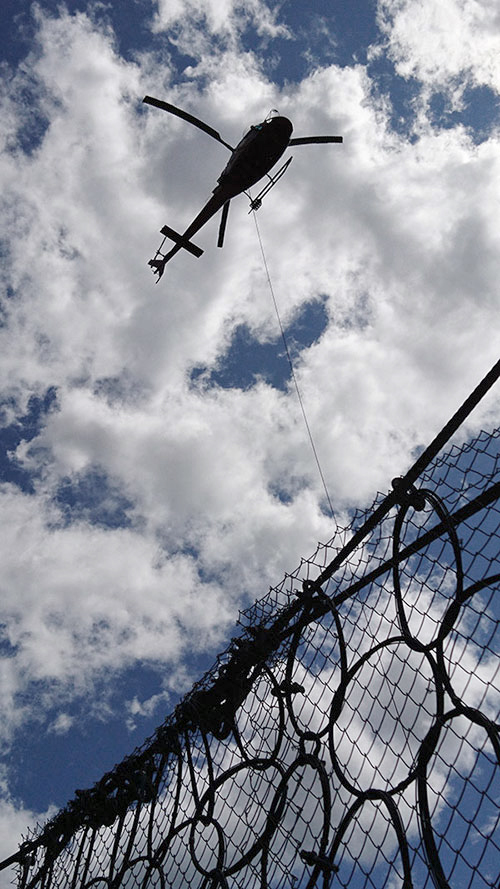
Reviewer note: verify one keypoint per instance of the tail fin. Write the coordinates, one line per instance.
(181, 241)
(158, 266)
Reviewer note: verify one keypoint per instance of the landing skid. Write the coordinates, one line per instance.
(256, 203)
(157, 264)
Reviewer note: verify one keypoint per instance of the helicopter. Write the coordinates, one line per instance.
(252, 159)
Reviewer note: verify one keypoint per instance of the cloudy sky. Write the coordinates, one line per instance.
(157, 473)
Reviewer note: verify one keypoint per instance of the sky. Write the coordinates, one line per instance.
(156, 471)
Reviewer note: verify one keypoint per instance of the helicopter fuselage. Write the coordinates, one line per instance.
(255, 155)
(252, 158)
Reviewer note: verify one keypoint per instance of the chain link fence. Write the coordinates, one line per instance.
(348, 736)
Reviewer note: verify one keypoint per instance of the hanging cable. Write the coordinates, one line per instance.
(294, 378)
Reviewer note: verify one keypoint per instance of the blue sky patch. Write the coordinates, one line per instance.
(324, 32)
(92, 497)
(48, 768)
(35, 124)
(248, 360)
(7, 650)
(401, 92)
(480, 112)
(50, 764)
(25, 428)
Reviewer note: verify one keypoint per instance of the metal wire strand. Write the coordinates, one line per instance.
(294, 377)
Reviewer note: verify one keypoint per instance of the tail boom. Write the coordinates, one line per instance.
(183, 242)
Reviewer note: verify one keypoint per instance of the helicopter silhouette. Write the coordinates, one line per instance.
(250, 161)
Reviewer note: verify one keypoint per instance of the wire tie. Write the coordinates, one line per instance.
(321, 861)
(408, 496)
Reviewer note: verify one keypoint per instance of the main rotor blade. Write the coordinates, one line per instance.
(166, 106)
(310, 140)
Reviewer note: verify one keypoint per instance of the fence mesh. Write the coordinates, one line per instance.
(348, 736)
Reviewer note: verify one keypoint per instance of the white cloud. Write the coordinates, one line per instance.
(62, 724)
(194, 20)
(442, 42)
(137, 708)
(67, 622)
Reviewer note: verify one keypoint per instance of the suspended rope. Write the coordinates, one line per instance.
(294, 378)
